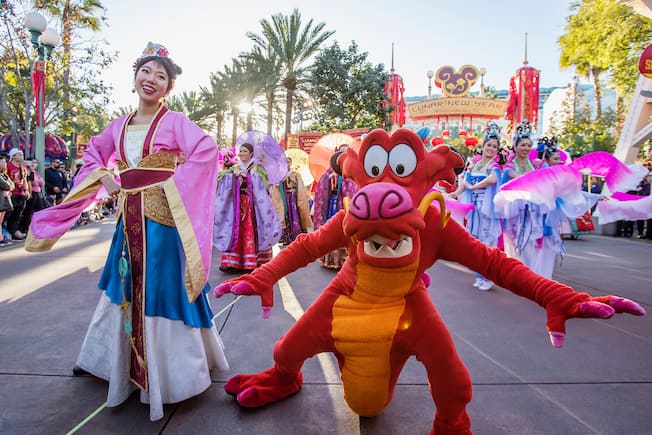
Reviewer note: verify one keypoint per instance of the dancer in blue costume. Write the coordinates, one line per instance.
(523, 224)
(478, 187)
(552, 245)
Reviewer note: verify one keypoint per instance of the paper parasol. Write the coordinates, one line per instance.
(300, 164)
(321, 152)
(267, 153)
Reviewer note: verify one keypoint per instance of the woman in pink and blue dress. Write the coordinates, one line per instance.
(478, 187)
(153, 328)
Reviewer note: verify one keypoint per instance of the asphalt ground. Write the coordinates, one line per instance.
(600, 382)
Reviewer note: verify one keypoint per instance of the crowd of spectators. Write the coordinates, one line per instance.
(23, 192)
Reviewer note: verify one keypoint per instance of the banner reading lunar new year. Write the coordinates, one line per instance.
(451, 106)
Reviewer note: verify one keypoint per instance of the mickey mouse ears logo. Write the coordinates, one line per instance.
(456, 83)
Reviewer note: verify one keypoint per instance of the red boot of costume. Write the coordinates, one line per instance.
(458, 426)
(263, 388)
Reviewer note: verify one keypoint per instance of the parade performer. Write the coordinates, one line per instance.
(556, 190)
(376, 312)
(478, 187)
(621, 206)
(552, 245)
(523, 221)
(330, 192)
(246, 225)
(290, 199)
(152, 329)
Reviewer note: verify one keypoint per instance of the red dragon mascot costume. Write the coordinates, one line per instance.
(376, 312)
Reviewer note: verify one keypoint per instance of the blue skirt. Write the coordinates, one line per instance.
(165, 289)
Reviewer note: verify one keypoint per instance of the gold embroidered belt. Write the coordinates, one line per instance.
(142, 196)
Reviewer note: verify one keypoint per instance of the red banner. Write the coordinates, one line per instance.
(38, 90)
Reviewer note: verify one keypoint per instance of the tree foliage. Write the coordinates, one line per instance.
(605, 36)
(347, 88)
(294, 43)
(577, 133)
(76, 103)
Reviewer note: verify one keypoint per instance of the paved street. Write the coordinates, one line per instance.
(599, 383)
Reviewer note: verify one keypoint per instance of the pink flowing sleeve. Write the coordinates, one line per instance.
(50, 224)
(191, 196)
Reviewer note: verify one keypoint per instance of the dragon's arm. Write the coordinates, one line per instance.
(560, 301)
(304, 250)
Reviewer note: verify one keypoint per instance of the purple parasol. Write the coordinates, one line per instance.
(267, 153)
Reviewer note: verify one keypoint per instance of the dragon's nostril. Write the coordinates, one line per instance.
(380, 201)
(360, 207)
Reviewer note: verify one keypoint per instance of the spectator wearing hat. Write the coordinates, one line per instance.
(20, 193)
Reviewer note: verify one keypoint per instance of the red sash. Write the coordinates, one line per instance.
(134, 231)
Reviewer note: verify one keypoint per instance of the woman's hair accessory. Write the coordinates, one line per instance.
(523, 131)
(546, 146)
(491, 132)
(153, 50)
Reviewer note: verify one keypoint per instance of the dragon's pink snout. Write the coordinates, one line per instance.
(380, 201)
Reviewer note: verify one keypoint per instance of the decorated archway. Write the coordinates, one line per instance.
(456, 112)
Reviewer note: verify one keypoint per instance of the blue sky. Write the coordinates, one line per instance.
(202, 36)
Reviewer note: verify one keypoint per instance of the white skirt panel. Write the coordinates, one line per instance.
(179, 357)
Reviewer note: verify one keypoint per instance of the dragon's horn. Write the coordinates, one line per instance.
(444, 214)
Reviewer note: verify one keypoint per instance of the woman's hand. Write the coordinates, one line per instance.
(112, 188)
(469, 185)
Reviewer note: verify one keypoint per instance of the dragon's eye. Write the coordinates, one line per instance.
(402, 160)
(375, 160)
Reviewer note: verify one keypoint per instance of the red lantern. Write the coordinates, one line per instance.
(446, 133)
(471, 141)
(462, 133)
(436, 141)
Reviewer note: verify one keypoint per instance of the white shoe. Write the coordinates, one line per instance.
(485, 285)
(477, 282)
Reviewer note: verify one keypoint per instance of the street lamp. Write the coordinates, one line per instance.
(44, 39)
(430, 73)
(303, 113)
(483, 71)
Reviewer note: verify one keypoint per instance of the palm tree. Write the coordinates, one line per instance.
(263, 69)
(74, 16)
(190, 103)
(215, 103)
(235, 81)
(267, 67)
(253, 83)
(294, 44)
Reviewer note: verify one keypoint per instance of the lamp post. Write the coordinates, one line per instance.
(483, 71)
(44, 39)
(430, 73)
(303, 113)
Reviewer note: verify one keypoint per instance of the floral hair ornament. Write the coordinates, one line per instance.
(153, 50)
(492, 132)
(523, 131)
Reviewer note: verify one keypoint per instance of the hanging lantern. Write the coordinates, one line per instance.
(446, 133)
(471, 141)
(437, 141)
(462, 133)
